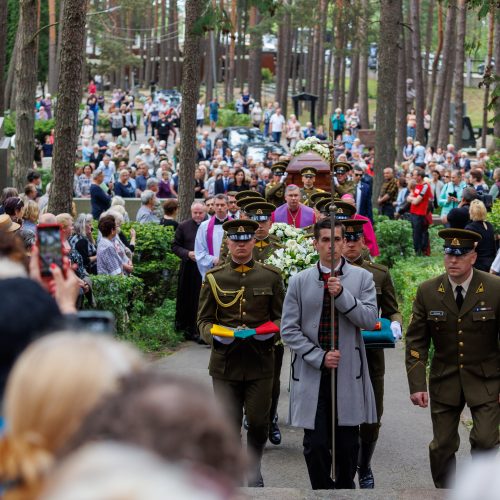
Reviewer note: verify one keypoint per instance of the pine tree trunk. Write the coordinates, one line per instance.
(190, 96)
(232, 51)
(364, 112)
(69, 98)
(352, 96)
(163, 45)
(3, 52)
(337, 59)
(321, 67)
(401, 111)
(390, 22)
(496, 127)
(26, 78)
(315, 57)
(240, 49)
(10, 101)
(254, 62)
(60, 27)
(342, 85)
(172, 28)
(287, 63)
(417, 69)
(408, 44)
(295, 63)
(449, 37)
(459, 72)
(431, 87)
(491, 34)
(52, 47)
(148, 67)
(428, 43)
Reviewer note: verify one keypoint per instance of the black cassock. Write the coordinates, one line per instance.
(188, 290)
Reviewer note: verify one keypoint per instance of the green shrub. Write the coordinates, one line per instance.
(494, 216)
(9, 125)
(104, 122)
(229, 118)
(154, 261)
(493, 162)
(156, 331)
(121, 295)
(42, 127)
(229, 105)
(267, 75)
(394, 239)
(46, 174)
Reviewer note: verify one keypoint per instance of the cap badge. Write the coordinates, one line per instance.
(259, 211)
(455, 242)
(340, 211)
(241, 229)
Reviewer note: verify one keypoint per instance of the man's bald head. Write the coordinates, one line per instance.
(47, 219)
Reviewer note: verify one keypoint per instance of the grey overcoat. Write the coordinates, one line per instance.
(357, 307)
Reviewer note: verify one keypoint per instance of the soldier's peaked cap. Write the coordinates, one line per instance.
(247, 194)
(353, 228)
(341, 168)
(459, 241)
(308, 171)
(315, 197)
(240, 230)
(260, 210)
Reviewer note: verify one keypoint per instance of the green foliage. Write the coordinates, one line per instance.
(154, 261)
(267, 75)
(121, 295)
(494, 216)
(156, 331)
(46, 174)
(493, 161)
(104, 122)
(394, 237)
(42, 127)
(229, 118)
(230, 105)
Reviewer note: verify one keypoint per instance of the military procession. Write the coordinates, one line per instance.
(337, 317)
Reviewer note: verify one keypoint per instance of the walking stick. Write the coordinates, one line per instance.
(332, 303)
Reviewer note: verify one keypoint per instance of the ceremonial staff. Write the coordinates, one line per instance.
(333, 209)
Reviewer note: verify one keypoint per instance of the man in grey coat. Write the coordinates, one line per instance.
(306, 329)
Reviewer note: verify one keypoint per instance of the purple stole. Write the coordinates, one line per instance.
(305, 216)
(210, 234)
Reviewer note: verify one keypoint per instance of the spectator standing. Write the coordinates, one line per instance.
(419, 210)
(84, 182)
(401, 204)
(459, 217)
(408, 150)
(451, 193)
(99, 200)
(116, 120)
(30, 216)
(239, 182)
(486, 247)
(200, 114)
(146, 212)
(411, 124)
(199, 185)
(363, 194)
(419, 155)
(338, 122)
(83, 242)
(256, 115)
(108, 260)
(277, 123)
(124, 187)
(267, 118)
(436, 185)
(47, 148)
(477, 182)
(463, 162)
(495, 188)
(170, 208)
(165, 186)
(388, 194)
(131, 124)
(107, 167)
(87, 131)
(214, 113)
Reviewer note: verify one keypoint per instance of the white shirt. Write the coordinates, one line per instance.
(200, 111)
(277, 122)
(204, 260)
(465, 285)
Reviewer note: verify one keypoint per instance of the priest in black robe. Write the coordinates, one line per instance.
(188, 289)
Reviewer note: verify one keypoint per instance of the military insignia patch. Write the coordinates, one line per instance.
(480, 288)
(441, 288)
(455, 242)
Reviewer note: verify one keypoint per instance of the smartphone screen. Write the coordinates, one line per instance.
(50, 247)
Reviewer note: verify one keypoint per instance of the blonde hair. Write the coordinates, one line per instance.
(31, 211)
(54, 384)
(64, 219)
(477, 211)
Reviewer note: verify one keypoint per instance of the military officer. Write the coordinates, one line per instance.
(275, 190)
(343, 212)
(248, 194)
(308, 177)
(388, 308)
(460, 312)
(343, 185)
(314, 198)
(243, 294)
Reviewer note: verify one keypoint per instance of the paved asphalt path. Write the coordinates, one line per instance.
(401, 458)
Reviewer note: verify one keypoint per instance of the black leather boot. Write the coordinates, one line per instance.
(274, 431)
(365, 474)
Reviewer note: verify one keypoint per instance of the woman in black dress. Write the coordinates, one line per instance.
(239, 183)
(486, 248)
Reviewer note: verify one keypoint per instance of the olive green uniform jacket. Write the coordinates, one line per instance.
(306, 193)
(275, 193)
(467, 356)
(255, 294)
(262, 250)
(349, 187)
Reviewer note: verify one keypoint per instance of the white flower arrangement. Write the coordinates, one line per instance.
(297, 253)
(312, 144)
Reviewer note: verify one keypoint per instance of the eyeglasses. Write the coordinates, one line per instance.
(358, 175)
(446, 176)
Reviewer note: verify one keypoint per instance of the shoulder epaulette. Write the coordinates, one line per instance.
(375, 265)
(270, 267)
(217, 268)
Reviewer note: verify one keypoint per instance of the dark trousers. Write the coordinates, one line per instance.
(420, 233)
(445, 442)
(276, 137)
(318, 445)
(388, 210)
(278, 361)
(376, 369)
(255, 396)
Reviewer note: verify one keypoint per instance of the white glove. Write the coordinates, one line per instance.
(396, 330)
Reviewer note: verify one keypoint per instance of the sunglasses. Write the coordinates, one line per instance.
(358, 175)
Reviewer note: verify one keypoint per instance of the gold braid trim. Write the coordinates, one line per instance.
(216, 290)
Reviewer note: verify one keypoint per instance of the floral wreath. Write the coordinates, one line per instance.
(312, 144)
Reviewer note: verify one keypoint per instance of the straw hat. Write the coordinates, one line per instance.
(7, 225)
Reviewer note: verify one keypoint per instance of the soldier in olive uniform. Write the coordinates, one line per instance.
(248, 194)
(308, 177)
(460, 312)
(243, 294)
(388, 308)
(275, 190)
(342, 184)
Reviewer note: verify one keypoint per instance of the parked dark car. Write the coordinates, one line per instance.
(259, 150)
(239, 138)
